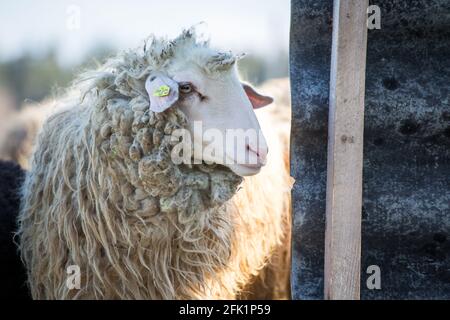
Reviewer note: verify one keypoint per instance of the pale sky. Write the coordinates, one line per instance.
(252, 26)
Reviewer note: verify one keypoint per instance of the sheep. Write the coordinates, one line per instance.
(18, 139)
(13, 273)
(104, 193)
(20, 131)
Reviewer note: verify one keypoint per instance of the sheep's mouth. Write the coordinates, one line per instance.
(240, 169)
(245, 169)
(254, 166)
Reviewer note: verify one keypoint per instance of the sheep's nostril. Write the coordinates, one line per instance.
(261, 153)
(254, 150)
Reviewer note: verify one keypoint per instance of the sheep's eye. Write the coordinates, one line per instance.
(185, 88)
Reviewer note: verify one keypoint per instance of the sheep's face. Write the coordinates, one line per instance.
(222, 124)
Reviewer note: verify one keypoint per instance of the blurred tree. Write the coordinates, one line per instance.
(279, 67)
(253, 69)
(257, 69)
(32, 78)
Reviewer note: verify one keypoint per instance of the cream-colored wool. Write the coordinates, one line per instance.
(103, 194)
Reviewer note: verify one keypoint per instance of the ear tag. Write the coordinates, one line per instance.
(162, 91)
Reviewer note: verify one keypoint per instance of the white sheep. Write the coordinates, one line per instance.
(104, 194)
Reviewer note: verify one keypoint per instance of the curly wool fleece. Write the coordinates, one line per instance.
(103, 194)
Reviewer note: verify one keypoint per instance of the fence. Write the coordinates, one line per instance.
(382, 234)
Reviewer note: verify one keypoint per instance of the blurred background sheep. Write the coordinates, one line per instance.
(19, 130)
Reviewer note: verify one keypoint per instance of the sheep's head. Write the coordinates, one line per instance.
(222, 125)
(146, 97)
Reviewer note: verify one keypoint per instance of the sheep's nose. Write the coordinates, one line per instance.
(261, 152)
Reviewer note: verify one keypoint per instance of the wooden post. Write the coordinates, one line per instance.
(345, 150)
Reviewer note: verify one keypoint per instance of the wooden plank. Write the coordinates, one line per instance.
(345, 150)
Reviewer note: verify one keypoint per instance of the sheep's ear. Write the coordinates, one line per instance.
(257, 100)
(162, 91)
